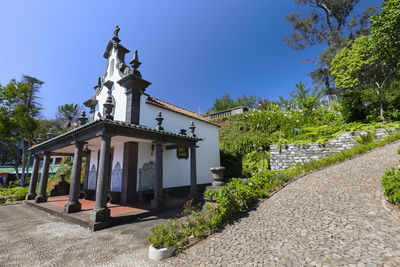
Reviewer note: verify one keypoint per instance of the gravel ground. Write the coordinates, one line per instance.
(334, 217)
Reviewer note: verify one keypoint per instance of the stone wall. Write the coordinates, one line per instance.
(291, 154)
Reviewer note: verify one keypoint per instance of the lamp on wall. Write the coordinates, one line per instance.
(86, 149)
(152, 149)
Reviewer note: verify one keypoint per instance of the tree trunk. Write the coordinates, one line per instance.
(29, 156)
(23, 174)
(23, 161)
(378, 94)
(16, 169)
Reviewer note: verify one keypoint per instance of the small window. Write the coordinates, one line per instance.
(182, 152)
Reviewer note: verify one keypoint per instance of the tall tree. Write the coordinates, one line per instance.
(32, 104)
(359, 68)
(372, 61)
(247, 101)
(68, 112)
(331, 24)
(385, 33)
(226, 102)
(19, 110)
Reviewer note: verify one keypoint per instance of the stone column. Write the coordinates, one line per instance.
(129, 176)
(101, 212)
(32, 185)
(73, 204)
(43, 179)
(193, 173)
(158, 200)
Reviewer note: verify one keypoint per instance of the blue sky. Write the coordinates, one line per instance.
(191, 51)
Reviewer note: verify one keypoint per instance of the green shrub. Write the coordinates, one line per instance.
(254, 162)
(391, 185)
(353, 108)
(12, 194)
(365, 138)
(243, 135)
(166, 235)
(232, 162)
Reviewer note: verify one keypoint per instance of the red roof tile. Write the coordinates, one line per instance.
(157, 102)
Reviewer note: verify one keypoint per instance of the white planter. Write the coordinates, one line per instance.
(160, 253)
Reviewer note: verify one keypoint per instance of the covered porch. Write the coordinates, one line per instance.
(119, 213)
(102, 135)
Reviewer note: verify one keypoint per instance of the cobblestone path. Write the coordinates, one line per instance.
(333, 217)
(29, 237)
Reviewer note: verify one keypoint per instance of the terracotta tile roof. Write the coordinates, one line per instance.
(159, 103)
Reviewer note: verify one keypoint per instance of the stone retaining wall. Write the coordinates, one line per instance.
(291, 154)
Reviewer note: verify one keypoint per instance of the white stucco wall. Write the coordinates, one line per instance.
(118, 92)
(177, 171)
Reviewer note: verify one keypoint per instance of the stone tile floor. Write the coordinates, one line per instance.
(333, 217)
(115, 209)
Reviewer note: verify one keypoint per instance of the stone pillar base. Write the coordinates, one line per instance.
(193, 195)
(30, 196)
(40, 199)
(99, 215)
(217, 184)
(156, 204)
(73, 207)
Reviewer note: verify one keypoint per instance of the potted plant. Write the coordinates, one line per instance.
(164, 239)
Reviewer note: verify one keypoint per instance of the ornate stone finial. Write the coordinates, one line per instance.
(192, 128)
(82, 119)
(116, 31)
(50, 133)
(135, 63)
(183, 132)
(97, 87)
(108, 107)
(39, 139)
(159, 120)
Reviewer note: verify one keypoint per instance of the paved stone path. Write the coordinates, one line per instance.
(29, 237)
(333, 217)
(336, 216)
